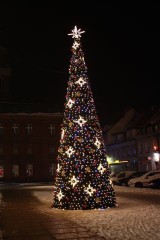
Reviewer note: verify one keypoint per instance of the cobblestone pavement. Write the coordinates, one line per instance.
(21, 220)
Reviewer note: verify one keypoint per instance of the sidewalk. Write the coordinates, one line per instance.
(23, 217)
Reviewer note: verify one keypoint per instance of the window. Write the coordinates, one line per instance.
(134, 151)
(149, 129)
(29, 150)
(52, 128)
(29, 128)
(1, 129)
(1, 171)
(52, 150)
(15, 149)
(140, 148)
(52, 169)
(1, 149)
(156, 128)
(147, 147)
(15, 170)
(15, 128)
(29, 169)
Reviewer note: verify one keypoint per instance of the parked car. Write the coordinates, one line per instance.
(143, 180)
(119, 178)
(124, 181)
(155, 183)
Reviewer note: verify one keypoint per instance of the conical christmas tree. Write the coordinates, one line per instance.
(82, 180)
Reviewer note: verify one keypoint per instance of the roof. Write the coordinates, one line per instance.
(28, 108)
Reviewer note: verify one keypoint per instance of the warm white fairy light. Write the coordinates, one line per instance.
(76, 33)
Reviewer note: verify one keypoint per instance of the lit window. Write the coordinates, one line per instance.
(29, 128)
(15, 170)
(29, 169)
(1, 171)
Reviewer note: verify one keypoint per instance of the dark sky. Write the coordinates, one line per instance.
(121, 47)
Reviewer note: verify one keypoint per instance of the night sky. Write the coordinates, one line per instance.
(121, 45)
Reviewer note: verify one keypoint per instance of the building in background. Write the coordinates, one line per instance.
(133, 141)
(29, 134)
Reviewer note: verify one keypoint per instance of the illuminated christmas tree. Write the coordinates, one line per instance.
(82, 180)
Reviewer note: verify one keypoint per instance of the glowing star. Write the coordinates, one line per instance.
(97, 143)
(76, 33)
(70, 151)
(63, 173)
(73, 181)
(80, 81)
(90, 190)
(70, 103)
(62, 134)
(101, 169)
(110, 181)
(60, 195)
(87, 169)
(58, 168)
(97, 200)
(75, 45)
(81, 121)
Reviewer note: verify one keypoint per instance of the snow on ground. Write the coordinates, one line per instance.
(130, 220)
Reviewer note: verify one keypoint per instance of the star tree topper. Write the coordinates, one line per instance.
(76, 33)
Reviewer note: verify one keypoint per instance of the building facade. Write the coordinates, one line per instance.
(28, 146)
(135, 139)
(29, 134)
